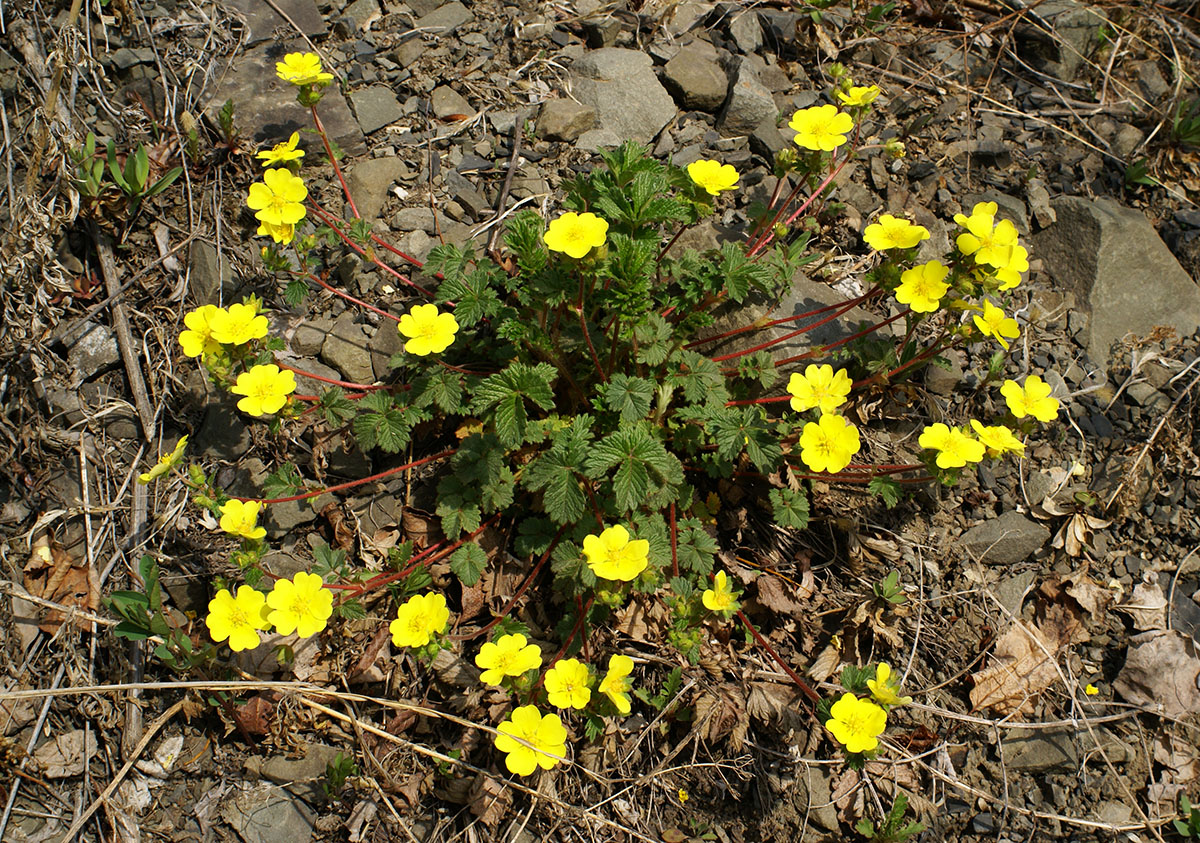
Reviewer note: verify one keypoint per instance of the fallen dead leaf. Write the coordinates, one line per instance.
(722, 712)
(52, 574)
(364, 669)
(1023, 664)
(778, 705)
(489, 800)
(774, 595)
(257, 716)
(65, 754)
(1147, 606)
(1161, 670)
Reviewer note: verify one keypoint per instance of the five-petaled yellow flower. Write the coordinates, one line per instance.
(237, 618)
(713, 176)
(884, 688)
(856, 723)
(281, 234)
(240, 518)
(282, 153)
(302, 605)
(198, 339)
(996, 324)
(278, 198)
(1032, 399)
(955, 448)
(1017, 262)
(428, 331)
(617, 683)
(858, 96)
(576, 234)
(302, 69)
(567, 684)
(821, 128)
(829, 444)
(894, 233)
(719, 598)
(997, 439)
(989, 241)
(418, 619)
(922, 287)
(819, 387)
(613, 556)
(239, 324)
(165, 463)
(266, 389)
(509, 655)
(531, 740)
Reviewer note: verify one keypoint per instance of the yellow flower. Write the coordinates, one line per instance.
(531, 740)
(576, 234)
(993, 323)
(829, 444)
(981, 209)
(856, 723)
(237, 618)
(302, 69)
(894, 233)
(1091, 690)
(567, 684)
(429, 331)
(265, 388)
(719, 598)
(510, 655)
(302, 605)
(821, 128)
(198, 339)
(858, 96)
(986, 239)
(1009, 275)
(713, 176)
(240, 518)
(165, 463)
(282, 234)
(240, 324)
(1032, 399)
(955, 448)
(998, 440)
(282, 153)
(278, 197)
(420, 618)
(616, 684)
(683, 796)
(884, 689)
(819, 387)
(922, 287)
(613, 556)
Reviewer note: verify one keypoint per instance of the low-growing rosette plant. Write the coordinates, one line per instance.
(563, 394)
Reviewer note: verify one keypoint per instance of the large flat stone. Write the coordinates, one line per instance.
(1005, 540)
(1119, 270)
(629, 100)
(262, 20)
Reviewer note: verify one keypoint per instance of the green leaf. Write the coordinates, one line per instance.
(701, 379)
(555, 472)
(473, 295)
(695, 548)
(524, 241)
(628, 396)
(790, 508)
(738, 428)
(351, 610)
(383, 423)
(442, 387)
(740, 273)
(336, 407)
(505, 394)
(534, 536)
(572, 575)
(654, 340)
(886, 488)
(633, 458)
(295, 292)
(283, 482)
(458, 517)
(468, 563)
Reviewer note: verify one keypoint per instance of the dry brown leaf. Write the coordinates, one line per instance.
(474, 598)
(1161, 670)
(489, 800)
(343, 530)
(1147, 606)
(51, 573)
(65, 754)
(722, 712)
(774, 595)
(1023, 664)
(825, 664)
(257, 716)
(366, 662)
(778, 705)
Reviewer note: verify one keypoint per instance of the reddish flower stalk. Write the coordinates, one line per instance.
(344, 384)
(326, 285)
(784, 320)
(354, 483)
(804, 687)
(331, 221)
(332, 160)
(815, 351)
(842, 309)
(769, 235)
(518, 594)
(379, 241)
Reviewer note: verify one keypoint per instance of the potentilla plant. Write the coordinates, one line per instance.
(591, 421)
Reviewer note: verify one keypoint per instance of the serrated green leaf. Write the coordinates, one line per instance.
(654, 340)
(336, 407)
(534, 536)
(701, 379)
(790, 508)
(887, 489)
(441, 387)
(503, 396)
(458, 517)
(629, 396)
(468, 563)
(295, 292)
(387, 429)
(695, 548)
(632, 458)
(283, 482)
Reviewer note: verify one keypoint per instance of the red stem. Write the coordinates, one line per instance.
(332, 221)
(353, 483)
(332, 160)
(518, 594)
(772, 323)
(344, 384)
(804, 687)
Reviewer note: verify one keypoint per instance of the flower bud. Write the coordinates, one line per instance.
(894, 148)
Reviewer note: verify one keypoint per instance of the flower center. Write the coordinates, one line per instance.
(237, 617)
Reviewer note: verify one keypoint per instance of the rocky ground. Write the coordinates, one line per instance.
(1078, 566)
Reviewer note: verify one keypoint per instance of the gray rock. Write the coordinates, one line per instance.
(210, 279)
(93, 350)
(629, 100)
(746, 31)
(565, 120)
(414, 219)
(601, 32)
(375, 107)
(467, 195)
(309, 336)
(267, 104)
(126, 58)
(1039, 750)
(223, 434)
(383, 344)
(696, 79)
(306, 385)
(1006, 540)
(371, 179)
(360, 13)
(282, 518)
(448, 103)
(766, 140)
(1011, 592)
(262, 20)
(302, 776)
(266, 813)
(1039, 203)
(445, 19)
(1151, 81)
(346, 349)
(1128, 139)
(943, 381)
(779, 32)
(1112, 259)
(750, 104)
(1074, 27)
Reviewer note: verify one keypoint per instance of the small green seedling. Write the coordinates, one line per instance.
(892, 828)
(1188, 827)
